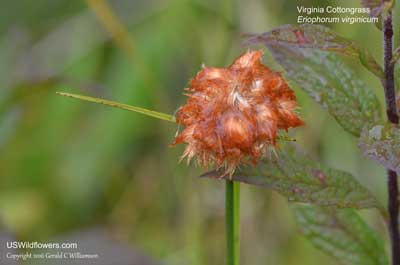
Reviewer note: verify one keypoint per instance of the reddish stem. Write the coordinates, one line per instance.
(391, 111)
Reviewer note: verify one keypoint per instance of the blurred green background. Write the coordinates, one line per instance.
(67, 165)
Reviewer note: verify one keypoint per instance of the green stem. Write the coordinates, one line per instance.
(232, 218)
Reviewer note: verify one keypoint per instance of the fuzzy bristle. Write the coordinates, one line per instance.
(232, 115)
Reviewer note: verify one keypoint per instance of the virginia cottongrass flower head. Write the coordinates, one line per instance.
(232, 115)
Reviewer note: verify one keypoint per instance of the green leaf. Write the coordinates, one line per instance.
(330, 83)
(151, 113)
(341, 234)
(381, 143)
(317, 37)
(396, 56)
(300, 179)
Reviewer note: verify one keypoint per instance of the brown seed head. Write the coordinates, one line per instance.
(233, 114)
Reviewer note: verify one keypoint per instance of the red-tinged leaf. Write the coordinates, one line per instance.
(381, 143)
(300, 179)
(377, 7)
(317, 37)
(330, 83)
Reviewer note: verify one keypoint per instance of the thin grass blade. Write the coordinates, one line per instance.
(151, 113)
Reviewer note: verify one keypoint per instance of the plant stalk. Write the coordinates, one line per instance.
(391, 111)
(232, 219)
